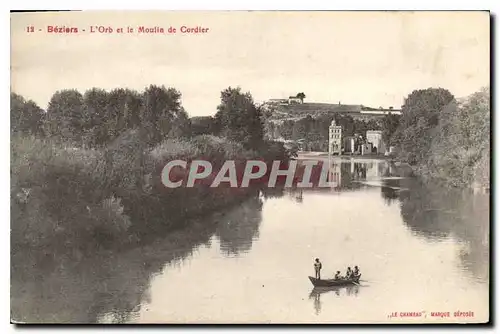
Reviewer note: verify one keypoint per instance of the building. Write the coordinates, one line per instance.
(335, 139)
(366, 148)
(375, 138)
(277, 102)
(380, 111)
(348, 144)
(294, 100)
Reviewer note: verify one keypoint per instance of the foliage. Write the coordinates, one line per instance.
(163, 114)
(301, 96)
(66, 116)
(99, 117)
(26, 117)
(390, 124)
(239, 119)
(460, 149)
(420, 114)
(95, 179)
(58, 196)
(63, 196)
(203, 125)
(95, 101)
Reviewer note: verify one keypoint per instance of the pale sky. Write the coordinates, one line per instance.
(370, 58)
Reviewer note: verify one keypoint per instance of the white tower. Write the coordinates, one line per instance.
(335, 139)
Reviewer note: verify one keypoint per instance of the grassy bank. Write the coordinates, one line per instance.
(86, 199)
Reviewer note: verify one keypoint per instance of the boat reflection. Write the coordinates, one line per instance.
(315, 294)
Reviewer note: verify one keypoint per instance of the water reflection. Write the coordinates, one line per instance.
(116, 287)
(315, 294)
(428, 210)
(111, 287)
(239, 228)
(389, 194)
(354, 175)
(461, 215)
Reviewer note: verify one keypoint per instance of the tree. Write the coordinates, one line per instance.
(301, 96)
(161, 112)
(460, 149)
(26, 117)
(239, 119)
(95, 102)
(420, 114)
(390, 123)
(108, 115)
(66, 119)
(180, 124)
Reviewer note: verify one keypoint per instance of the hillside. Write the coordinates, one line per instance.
(279, 112)
(297, 111)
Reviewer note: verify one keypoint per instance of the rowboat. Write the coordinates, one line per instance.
(334, 282)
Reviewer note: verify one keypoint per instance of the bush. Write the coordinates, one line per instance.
(57, 194)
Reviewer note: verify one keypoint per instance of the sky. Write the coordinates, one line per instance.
(370, 58)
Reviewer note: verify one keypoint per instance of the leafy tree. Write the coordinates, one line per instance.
(95, 101)
(66, 119)
(390, 124)
(26, 117)
(132, 109)
(180, 124)
(239, 119)
(348, 125)
(108, 115)
(360, 127)
(460, 149)
(420, 114)
(161, 108)
(301, 96)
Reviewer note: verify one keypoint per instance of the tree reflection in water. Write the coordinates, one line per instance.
(437, 213)
(112, 287)
(239, 228)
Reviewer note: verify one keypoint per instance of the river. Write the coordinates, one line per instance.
(421, 249)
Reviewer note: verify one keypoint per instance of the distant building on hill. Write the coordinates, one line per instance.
(380, 111)
(278, 101)
(294, 100)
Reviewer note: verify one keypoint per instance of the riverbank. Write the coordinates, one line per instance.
(74, 200)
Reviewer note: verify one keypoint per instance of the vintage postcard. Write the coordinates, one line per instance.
(250, 167)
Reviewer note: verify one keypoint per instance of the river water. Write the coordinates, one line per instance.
(421, 249)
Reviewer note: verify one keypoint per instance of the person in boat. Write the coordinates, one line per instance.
(337, 275)
(317, 268)
(348, 274)
(355, 272)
